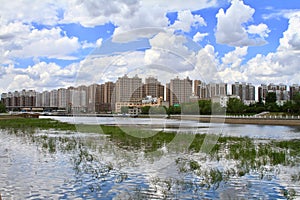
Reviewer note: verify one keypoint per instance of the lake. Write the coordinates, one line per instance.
(229, 162)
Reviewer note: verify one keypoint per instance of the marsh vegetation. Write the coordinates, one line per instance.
(106, 161)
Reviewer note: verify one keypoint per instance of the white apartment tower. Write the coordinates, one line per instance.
(63, 98)
(54, 99)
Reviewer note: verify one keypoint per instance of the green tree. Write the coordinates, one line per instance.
(2, 108)
(288, 107)
(271, 104)
(218, 109)
(124, 109)
(174, 110)
(272, 107)
(145, 110)
(257, 107)
(235, 106)
(271, 97)
(157, 110)
(205, 107)
(177, 110)
(296, 101)
(190, 108)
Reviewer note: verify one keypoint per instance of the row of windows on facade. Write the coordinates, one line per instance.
(103, 97)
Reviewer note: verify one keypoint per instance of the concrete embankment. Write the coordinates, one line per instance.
(241, 120)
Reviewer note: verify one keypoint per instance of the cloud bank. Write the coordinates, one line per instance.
(172, 48)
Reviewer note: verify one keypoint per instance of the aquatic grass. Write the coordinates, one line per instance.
(292, 145)
(147, 142)
(242, 149)
(248, 155)
(19, 123)
(194, 165)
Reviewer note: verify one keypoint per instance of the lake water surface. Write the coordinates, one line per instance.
(49, 164)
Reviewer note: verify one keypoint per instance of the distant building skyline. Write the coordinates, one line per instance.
(130, 91)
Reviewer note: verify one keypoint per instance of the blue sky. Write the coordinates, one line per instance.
(59, 44)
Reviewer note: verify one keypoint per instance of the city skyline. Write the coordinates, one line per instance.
(134, 92)
(148, 80)
(50, 44)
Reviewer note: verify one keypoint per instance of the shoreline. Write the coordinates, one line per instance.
(201, 118)
(239, 120)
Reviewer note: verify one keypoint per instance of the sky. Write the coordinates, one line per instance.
(49, 44)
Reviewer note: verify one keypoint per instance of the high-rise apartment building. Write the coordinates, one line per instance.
(91, 98)
(78, 99)
(197, 84)
(203, 91)
(46, 99)
(208, 91)
(153, 88)
(16, 99)
(109, 92)
(262, 92)
(129, 89)
(109, 97)
(180, 90)
(294, 89)
(5, 99)
(246, 91)
(63, 98)
(21, 98)
(282, 93)
(29, 98)
(38, 99)
(168, 93)
(53, 98)
(280, 90)
(216, 89)
(83, 90)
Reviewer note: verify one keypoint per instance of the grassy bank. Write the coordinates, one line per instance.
(17, 122)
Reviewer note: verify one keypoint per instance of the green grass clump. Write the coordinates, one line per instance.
(36, 123)
(137, 139)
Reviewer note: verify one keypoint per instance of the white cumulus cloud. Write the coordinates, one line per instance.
(24, 11)
(291, 37)
(186, 20)
(262, 30)
(47, 43)
(41, 76)
(198, 37)
(19, 40)
(281, 66)
(231, 28)
(233, 59)
(143, 16)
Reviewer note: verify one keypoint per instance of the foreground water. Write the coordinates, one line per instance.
(49, 164)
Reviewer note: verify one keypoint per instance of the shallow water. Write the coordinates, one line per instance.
(188, 126)
(48, 164)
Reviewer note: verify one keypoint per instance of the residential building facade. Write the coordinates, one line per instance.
(180, 90)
